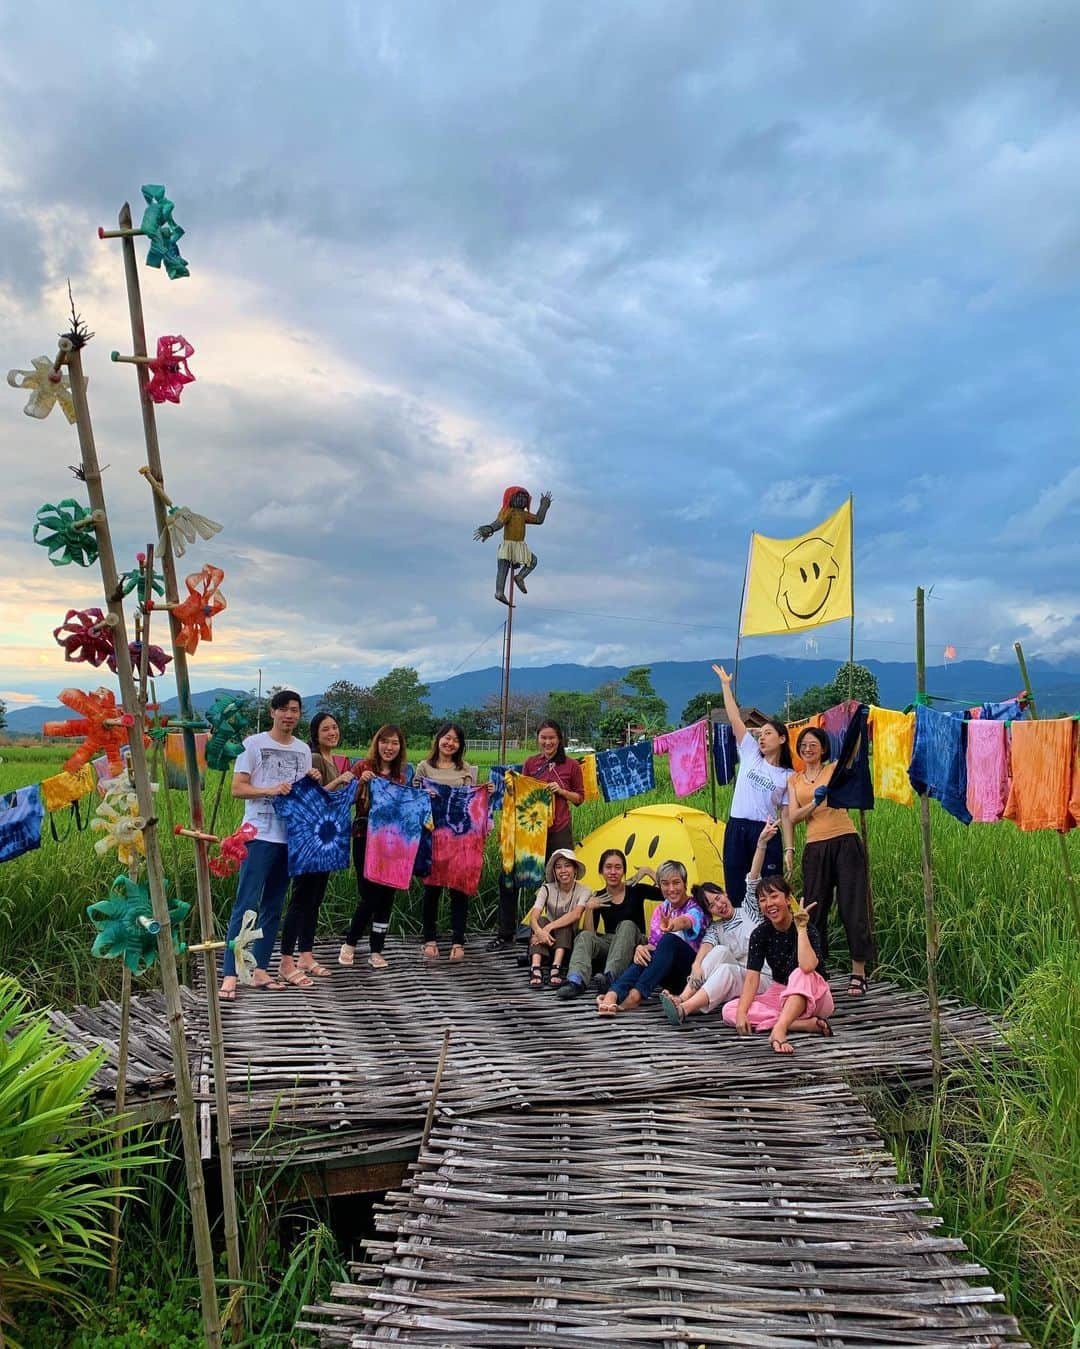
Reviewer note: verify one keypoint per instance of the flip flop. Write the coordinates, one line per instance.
(347, 955)
(606, 1008)
(781, 1046)
(823, 1027)
(378, 961)
(430, 950)
(269, 985)
(227, 994)
(673, 1010)
(457, 954)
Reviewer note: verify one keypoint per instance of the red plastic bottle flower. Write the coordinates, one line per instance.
(86, 636)
(103, 723)
(197, 612)
(169, 369)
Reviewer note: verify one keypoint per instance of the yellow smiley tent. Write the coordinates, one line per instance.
(654, 834)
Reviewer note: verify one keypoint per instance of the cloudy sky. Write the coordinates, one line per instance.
(697, 268)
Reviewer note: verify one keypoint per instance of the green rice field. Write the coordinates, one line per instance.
(1000, 1160)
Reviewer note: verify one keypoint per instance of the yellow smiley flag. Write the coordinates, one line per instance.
(802, 582)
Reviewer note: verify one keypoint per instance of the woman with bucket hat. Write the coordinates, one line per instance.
(560, 902)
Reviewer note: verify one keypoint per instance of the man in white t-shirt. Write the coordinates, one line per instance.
(267, 767)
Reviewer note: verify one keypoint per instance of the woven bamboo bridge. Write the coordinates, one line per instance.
(588, 1180)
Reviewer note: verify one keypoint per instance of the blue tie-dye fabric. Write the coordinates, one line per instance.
(626, 772)
(939, 762)
(498, 776)
(317, 825)
(399, 834)
(725, 753)
(21, 816)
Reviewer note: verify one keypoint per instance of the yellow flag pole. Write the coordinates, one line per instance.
(742, 601)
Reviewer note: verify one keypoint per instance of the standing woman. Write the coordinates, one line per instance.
(833, 859)
(385, 759)
(761, 793)
(563, 776)
(445, 765)
(298, 929)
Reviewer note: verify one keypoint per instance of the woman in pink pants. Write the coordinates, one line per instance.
(798, 998)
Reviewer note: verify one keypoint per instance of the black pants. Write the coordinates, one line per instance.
(298, 929)
(740, 844)
(459, 912)
(839, 864)
(376, 901)
(508, 893)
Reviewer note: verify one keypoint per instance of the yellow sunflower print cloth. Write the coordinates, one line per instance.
(527, 810)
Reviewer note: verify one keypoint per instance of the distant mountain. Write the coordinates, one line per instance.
(763, 681)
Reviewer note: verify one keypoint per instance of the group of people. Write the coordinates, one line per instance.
(753, 951)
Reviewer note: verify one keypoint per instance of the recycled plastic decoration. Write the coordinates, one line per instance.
(196, 613)
(47, 388)
(245, 959)
(184, 526)
(122, 829)
(57, 528)
(97, 708)
(230, 721)
(156, 659)
(135, 579)
(170, 369)
(163, 232)
(233, 851)
(126, 927)
(86, 636)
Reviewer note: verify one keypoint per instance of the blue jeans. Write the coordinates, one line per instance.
(264, 879)
(670, 965)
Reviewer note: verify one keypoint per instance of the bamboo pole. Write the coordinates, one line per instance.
(430, 1119)
(738, 627)
(508, 639)
(204, 1253)
(933, 935)
(191, 765)
(120, 1104)
(1066, 861)
(710, 731)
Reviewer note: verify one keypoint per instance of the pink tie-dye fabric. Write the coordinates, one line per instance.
(988, 776)
(687, 757)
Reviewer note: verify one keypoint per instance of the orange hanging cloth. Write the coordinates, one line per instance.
(1043, 759)
(794, 730)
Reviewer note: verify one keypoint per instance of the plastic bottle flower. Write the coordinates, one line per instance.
(135, 579)
(121, 829)
(197, 612)
(103, 723)
(232, 851)
(85, 635)
(184, 526)
(58, 529)
(245, 958)
(163, 232)
(230, 721)
(47, 388)
(169, 369)
(156, 659)
(126, 927)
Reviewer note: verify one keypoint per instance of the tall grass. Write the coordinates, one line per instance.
(1002, 1159)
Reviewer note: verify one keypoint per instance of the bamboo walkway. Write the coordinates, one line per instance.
(759, 1218)
(343, 1070)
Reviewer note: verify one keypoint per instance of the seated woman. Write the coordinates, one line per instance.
(674, 937)
(798, 998)
(717, 973)
(833, 859)
(559, 904)
(620, 909)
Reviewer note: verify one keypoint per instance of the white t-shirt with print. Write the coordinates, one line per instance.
(760, 787)
(268, 762)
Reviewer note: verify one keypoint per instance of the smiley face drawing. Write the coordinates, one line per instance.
(807, 577)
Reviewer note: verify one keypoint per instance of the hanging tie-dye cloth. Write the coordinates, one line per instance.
(687, 757)
(457, 843)
(398, 819)
(527, 811)
(21, 816)
(318, 825)
(626, 772)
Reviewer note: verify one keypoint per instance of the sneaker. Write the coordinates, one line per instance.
(601, 982)
(571, 989)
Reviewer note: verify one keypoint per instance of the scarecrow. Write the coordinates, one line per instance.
(514, 551)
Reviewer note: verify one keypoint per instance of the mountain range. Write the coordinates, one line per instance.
(765, 681)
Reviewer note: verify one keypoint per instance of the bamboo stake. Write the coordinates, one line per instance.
(1070, 878)
(710, 731)
(121, 1101)
(191, 764)
(204, 1253)
(430, 1120)
(933, 935)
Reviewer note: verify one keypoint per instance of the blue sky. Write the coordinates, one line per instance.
(697, 269)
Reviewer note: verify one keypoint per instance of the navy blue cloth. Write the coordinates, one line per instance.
(626, 772)
(725, 752)
(1009, 710)
(318, 825)
(21, 817)
(850, 787)
(498, 776)
(939, 761)
(740, 843)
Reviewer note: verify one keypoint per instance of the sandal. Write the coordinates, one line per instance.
(227, 994)
(555, 978)
(823, 1027)
(606, 1008)
(780, 1046)
(536, 977)
(298, 979)
(857, 985)
(430, 950)
(457, 953)
(673, 1009)
(319, 971)
(347, 954)
(377, 961)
